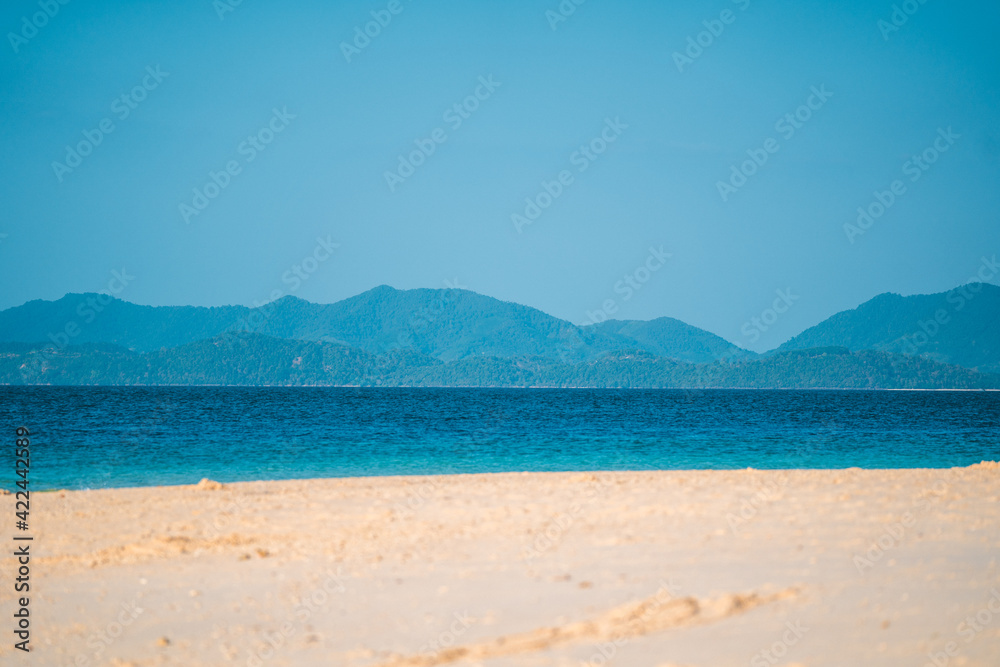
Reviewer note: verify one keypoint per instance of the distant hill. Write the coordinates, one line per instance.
(258, 360)
(96, 318)
(667, 337)
(960, 327)
(446, 324)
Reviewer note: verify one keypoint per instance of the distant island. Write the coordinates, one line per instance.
(457, 338)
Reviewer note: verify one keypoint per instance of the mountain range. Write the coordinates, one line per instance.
(458, 337)
(447, 324)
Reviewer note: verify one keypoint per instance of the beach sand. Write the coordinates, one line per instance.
(707, 568)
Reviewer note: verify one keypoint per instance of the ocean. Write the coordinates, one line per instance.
(97, 437)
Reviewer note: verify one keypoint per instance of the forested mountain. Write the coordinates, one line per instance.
(667, 337)
(960, 327)
(255, 359)
(446, 324)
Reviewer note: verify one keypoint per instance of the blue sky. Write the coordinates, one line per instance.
(342, 125)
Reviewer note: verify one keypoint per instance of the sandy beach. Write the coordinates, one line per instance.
(657, 569)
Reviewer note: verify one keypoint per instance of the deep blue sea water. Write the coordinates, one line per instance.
(92, 437)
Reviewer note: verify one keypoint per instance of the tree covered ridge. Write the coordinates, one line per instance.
(251, 359)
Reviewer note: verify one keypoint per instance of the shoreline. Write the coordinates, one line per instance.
(462, 475)
(519, 387)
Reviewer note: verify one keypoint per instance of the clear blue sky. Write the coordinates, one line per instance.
(655, 185)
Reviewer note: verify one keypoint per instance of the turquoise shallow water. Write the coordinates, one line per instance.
(92, 437)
